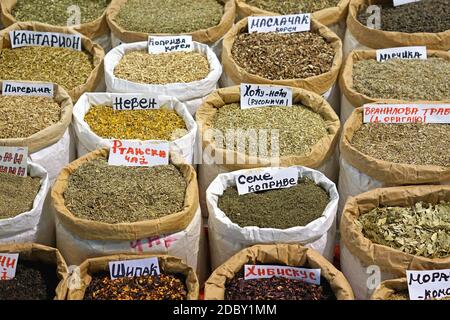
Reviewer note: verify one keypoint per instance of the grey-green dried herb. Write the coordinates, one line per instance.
(403, 79)
(116, 194)
(280, 209)
(56, 12)
(422, 16)
(299, 128)
(292, 6)
(169, 16)
(23, 116)
(17, 194)
(409, 143)
(422, 229)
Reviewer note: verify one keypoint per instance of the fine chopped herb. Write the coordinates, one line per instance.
(116, 194)
(292, 6)
(280, 209)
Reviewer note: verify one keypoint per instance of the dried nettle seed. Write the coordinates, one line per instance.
(292, 6)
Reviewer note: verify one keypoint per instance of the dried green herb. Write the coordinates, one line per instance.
(403, 79)
(169, 16)
(292, 6)
(422, 229)
(57, 12)
(23, 116)
(66, 67)
(164, 68)
(17, 194)
(280, 209)
(278, 56)
(115, 194)
(409, 143)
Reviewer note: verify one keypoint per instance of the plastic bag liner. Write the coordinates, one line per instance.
(227, 238)
(358, 252)
(88, 141)
(167, 264)
(44, 254)
(276, 254)
(389, 287)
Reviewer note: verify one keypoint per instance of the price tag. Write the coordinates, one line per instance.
(265, 271)
(402, 53)
(254, 95)
(134, 101)
(169, 44)
(134, 153)
(134, 268)
(407, 113)
(282, 24)
(428, 284)
(13, 88)
(266, 179)
(401, 2)
(13, 160)
(26, 38)
(8, 265)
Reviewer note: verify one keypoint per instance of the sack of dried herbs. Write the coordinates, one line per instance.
(422, 23)
(276, 254)
(76, 71)
(186, 76)
(364, 80)
(395, 289)
(303, 214)
(93, 267)
(396, 229)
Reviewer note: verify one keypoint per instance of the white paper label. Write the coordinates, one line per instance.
(12, 88)
(402, 53)
(169, 44)
(401, 2)
(266, 179)
(26, 38)
(134, 101)
(134, 268)
(407, 113)
(13, 160)
(281, 24)
(8, 265)
(134, 153)
(428, 284)
(266, 271)
(254, 95)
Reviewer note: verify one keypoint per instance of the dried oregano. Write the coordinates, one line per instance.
(292, 6)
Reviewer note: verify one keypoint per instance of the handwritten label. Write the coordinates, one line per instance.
(253, 95)
(402, 53)
(282, 24)
(8, 265)
(401, 2)
(13, 160)
(170, 44)
(12, 88)
(134, 101)
(407, 113)
(266, 271)
(26, 38)
(134, 268)
(266, 179)
(134, 153)
(428, 284)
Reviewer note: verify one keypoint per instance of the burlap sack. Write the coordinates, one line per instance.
(88, 46)
(359, 36)
(167, 264)
(279, 254)
(352, 99)
(38, 252)
(389, 287)
(358, 252)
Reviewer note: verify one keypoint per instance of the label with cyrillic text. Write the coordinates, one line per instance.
(266, 179)
(169, 44)
(134, 153)
(428, 284)
(134, 268)
(281, 24)
(13, 88)
(404, 53)
(401, 2)
(266, 271)
(8, 265)
(134, 101)
(407, 113)
(13, 160)
(254, 95)
(26, 38)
